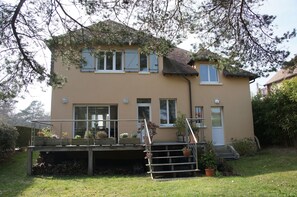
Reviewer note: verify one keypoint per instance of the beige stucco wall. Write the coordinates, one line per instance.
(112, 88)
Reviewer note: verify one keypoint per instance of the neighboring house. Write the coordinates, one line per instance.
(120, 83)
(279, 77)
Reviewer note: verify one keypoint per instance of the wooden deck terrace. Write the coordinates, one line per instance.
(90, 149)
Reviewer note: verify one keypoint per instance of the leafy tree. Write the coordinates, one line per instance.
(275, 116)
(6, 110)
(34, 111)
(233, 28)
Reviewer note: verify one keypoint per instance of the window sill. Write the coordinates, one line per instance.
(210, 84)
(110, 72)
(144, 72)
(167, 127)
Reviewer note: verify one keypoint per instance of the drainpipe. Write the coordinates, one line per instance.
(190, 95)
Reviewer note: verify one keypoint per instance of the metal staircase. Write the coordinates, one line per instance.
(166, 160)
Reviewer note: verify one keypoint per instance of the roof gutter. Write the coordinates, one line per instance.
(190, 95)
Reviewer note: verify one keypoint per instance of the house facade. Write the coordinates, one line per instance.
(279, 77)
(117, 85)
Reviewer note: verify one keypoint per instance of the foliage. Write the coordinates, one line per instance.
(180, 124)
(245, 147)
(152, 128)
(24, 136)
(45, 132)
(88, 135)
(209, 158)
(8, 137)
(101, 135)
(275, 117)
(35, 111)
(77, 137)
(124, 135)
(234, 28)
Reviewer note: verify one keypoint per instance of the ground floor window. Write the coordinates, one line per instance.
(95, 118)
(167, 112)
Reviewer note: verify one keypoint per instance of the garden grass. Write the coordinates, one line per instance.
(272, 172)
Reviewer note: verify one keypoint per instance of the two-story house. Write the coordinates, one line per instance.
(118, 82)
(279, 77)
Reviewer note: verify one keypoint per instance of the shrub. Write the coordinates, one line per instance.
(24, 137)
(8, 137)
(245, 147)
(101, 135)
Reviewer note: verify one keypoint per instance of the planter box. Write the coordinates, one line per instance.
(52, 142)
(81, 142)
(129, 141)
(39, 141)
(105, 141)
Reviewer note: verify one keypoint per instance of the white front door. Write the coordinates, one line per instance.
(217, 126)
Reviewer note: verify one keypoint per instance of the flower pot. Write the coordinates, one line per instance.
(181, 138)
(129, 141)
(209, 172)
(186, 152)
(105, 141)
(39, 141)
(80, 141)
(52, 142)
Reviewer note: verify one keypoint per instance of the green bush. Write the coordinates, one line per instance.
(245, 147)
(24, 136)
(8, 137)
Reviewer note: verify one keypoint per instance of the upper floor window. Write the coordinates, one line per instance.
(208, 74)
(109, 61)
(129, 60)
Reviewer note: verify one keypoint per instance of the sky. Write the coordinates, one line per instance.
(286, 19)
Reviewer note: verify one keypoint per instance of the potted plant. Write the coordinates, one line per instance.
(180, 124)
(125, 139)
(209, 160)
(101, 138)
(186, 151)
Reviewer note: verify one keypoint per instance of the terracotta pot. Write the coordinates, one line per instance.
(187, 152)
(209, 171)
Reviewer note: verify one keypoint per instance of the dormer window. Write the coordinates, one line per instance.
(208, 74)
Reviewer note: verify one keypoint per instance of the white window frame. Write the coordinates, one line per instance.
(208, 81)
(167, 111)
(113, 62)
(147, 63)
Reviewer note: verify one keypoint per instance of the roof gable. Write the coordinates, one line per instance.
(282, 74)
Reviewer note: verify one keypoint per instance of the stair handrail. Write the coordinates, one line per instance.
(191, 131)
(194, 146)
(147, 132)
(148, 146)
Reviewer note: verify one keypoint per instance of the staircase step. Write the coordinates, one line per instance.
(162, 151)
(172, 171)
(172, 157)
(171, 164)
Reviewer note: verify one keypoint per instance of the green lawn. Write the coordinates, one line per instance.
(272, 172)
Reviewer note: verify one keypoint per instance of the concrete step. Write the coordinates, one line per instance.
(172, 171)
(172, 164)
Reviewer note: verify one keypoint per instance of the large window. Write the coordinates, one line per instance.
(95, 118)
(208, 74)
(167, 112)
(128, 60)
(109, 61)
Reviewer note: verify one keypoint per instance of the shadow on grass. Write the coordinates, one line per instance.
(266, 161)
(13, 177)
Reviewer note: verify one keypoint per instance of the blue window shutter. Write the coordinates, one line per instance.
(154, 63)
(88, 64)
(131, 61)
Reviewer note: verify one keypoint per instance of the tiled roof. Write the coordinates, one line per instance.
(230, 71)
(173, 67)
(281, 75)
